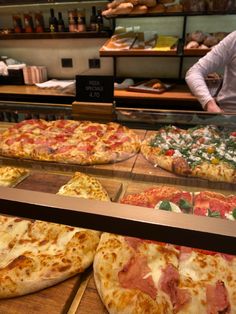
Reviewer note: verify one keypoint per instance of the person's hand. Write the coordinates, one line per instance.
(211, 106)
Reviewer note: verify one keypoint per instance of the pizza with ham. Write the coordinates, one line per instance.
(133, 275)
(36, 254)
(204, 152)
(139, 276)
(69, 141)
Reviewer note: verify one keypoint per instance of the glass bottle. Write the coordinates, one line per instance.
(61, 25)
(99, 21)
(93, 19)
(81, 26)
(53, 23)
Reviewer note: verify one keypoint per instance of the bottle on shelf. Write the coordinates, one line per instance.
(28, 22)
(17, 23)
(39, 22)
(72, 20)
(93, 20)
(53, 23)
(61, 24)
(81, 26)
(99, 21)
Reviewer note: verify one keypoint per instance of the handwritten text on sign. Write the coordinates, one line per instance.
(95, 88)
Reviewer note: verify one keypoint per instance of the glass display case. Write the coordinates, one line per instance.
(129, 183)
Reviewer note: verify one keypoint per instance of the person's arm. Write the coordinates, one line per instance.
(218, 57)
(211, 106)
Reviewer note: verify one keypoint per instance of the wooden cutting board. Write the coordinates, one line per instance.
(42, 181)
(53, 300)
(90, 302)
(145, 171)
(57, 299)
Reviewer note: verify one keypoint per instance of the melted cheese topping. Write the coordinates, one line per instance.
(20, 240)
(174, 207)
(158, 256)
(82, 185)
(9, 175)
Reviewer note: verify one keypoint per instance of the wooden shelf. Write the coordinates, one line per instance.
(195, 52)
(59, 35)
(166, 14)
(137, 53)
(178, 92)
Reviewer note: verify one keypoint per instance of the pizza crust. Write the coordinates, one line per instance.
(111, 257)
(35, 254)
(82, 185)
(69, 141)
(41, 254)
(10, 176)
(170, 158)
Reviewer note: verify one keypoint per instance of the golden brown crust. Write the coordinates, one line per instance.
(10, 176)
(41, 254)
(213, 170)
(153, 154)
(35, 254)
(221, 172)
(70, 141)
(83, 185)
(111, 256)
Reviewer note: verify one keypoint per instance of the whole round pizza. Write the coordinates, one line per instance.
(69, 141)
(204, 152)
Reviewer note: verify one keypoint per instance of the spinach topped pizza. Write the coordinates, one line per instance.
(204, 152)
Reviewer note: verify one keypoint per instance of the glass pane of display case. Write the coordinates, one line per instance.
(157, 227)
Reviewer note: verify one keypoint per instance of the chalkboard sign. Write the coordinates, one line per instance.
(96, 89)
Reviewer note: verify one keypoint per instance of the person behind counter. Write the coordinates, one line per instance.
(222, 56)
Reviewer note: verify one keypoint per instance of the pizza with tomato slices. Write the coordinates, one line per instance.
(203, 152)
(216, 205)
(69, 141)
(133, 275)
(162, 197)
(204, 203)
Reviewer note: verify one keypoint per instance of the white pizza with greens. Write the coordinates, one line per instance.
(204, 152)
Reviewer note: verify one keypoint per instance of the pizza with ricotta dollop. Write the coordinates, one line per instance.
(204, 152)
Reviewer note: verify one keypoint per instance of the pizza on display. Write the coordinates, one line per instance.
(79, 142)
(204, 203)
(10, 176)
(141, 276)
(35, 254)
(204, 152)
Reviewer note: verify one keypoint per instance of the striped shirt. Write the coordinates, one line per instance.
(222, 56)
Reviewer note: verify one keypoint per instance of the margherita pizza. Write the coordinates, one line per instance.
(162, 197)
(36, 254)
(69, 141)
(204, 203)
(202, 152)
